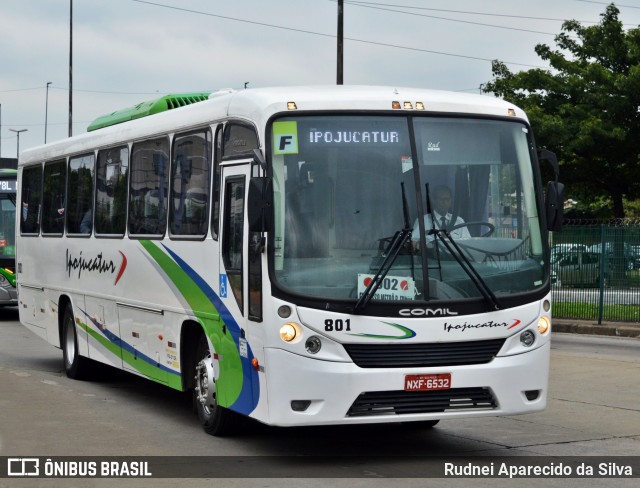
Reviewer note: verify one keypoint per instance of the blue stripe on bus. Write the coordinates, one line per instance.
(122, 344)
(250, 392)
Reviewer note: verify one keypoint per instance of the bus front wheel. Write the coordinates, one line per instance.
(215, 420)
(76, 366)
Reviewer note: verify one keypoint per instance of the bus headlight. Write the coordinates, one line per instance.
(544, 324)
(527, 338)
(290, 331)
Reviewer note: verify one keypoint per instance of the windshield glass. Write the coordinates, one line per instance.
(341, 186)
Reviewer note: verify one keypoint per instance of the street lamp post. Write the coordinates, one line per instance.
(17, 131)
(46, 112)
(70, 67)
(340, 46)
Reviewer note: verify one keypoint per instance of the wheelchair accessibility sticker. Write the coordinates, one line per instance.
(223, 286)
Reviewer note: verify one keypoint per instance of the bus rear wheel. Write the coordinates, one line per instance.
(215, 420)
(76, 366)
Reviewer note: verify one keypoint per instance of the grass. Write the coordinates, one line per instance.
(589, 311)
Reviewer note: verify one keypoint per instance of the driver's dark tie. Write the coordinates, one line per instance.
(443, 222)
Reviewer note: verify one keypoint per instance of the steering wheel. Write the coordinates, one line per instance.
(492, 228)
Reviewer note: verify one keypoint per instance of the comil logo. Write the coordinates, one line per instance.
(23, 467)
(426, 312)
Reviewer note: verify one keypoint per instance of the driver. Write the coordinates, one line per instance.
(441, 202)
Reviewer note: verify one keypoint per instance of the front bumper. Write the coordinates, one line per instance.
(339, 392)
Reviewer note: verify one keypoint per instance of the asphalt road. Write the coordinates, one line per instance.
(593, 410)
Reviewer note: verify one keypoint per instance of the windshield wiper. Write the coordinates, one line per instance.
(392, 251)
(467, 267)
(458, 254)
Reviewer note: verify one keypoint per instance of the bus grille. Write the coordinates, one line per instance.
(407, 402)
(423, 355)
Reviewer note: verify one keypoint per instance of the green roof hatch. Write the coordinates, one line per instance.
(144, 109)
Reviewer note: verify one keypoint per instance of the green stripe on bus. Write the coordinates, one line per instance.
(229, 384)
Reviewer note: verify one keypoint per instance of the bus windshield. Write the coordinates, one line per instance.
(345, 185)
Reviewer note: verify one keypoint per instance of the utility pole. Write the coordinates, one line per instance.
(46, 112)
(340, 73)
(70, 66)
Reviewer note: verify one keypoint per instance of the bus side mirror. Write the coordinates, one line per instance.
(554, 204)
(260, 204)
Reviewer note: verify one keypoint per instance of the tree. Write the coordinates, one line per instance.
(586, 108)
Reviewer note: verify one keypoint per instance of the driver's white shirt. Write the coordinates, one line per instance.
(461, 233)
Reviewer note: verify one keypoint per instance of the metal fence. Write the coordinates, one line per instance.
(596, 270)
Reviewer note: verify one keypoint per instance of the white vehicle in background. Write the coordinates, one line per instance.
(579, 268)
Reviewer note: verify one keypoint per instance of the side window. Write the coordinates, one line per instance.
(54, 198)
(80, 193)
(149, 187)
(233, 229)
(239, 141)
(215, 200)
(190, 172)
(31, 194)
(111, 191)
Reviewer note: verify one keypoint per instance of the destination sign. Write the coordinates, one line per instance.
(295, 136)
(356, 137)
(8, 186)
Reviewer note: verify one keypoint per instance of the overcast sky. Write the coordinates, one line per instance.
(128, 51)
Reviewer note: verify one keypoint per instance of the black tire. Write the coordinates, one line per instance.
(77, 367)
(215, 420)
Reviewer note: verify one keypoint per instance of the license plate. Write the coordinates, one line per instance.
(422, 382)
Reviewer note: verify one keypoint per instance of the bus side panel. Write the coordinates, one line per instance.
(144, 336)
(38, 304)
(104, 331)
(31, 302)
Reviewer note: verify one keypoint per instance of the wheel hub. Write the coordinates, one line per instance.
(205, 384)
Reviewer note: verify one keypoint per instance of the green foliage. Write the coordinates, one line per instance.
(590, 311)
(585, 107)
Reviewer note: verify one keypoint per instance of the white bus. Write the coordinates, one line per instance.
(267, 249)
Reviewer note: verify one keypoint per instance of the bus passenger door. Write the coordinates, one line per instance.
(233, 277)
(232, 241)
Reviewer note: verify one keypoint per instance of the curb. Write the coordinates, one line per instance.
(617, 329)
